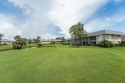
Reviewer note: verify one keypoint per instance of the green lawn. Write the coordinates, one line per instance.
(6, 47)
(61, 64)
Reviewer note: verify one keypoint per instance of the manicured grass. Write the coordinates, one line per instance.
(63, 65)
(6, 47)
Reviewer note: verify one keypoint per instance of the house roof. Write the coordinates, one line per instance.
(108, 32)
(45, 40)
(56, 40)
(5, 40)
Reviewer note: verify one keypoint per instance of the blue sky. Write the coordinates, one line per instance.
(9, 8)
(52, 18)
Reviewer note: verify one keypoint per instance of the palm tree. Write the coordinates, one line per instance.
(77, 32)
(1, 35)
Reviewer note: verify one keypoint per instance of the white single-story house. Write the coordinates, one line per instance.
(56, 41)
(5, 41)
(45, 41)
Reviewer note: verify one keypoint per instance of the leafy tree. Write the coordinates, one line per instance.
(1, 35)
(20, 42)
(17, 37)
(37, 40)
(30, 41)
(77, 32)
(61, 38)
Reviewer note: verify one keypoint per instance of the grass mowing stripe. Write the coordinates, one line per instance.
(61, 65)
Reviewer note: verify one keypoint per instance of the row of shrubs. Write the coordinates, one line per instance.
(109, 44)
(105, 43)
(22, 45)
(4, 44)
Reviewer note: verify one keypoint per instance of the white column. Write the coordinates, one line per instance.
(110, 38)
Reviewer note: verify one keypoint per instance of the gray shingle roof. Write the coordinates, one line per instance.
(109, 32)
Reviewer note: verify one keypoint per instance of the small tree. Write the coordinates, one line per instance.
(30, 41)
(77, 32)
(1, 35)
(37, 40)
(17, 37)
(20, 42)
(62, 39)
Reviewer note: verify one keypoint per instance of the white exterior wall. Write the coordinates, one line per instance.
(100, 38)
(119, 39)
(115, 39)
(110, 38)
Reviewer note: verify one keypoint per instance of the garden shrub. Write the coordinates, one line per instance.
(122, 43)
(40, 45)
(116, 45)
(65, 43)
(106, 43)
(19, 45)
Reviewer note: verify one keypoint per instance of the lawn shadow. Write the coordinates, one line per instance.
(6, 49)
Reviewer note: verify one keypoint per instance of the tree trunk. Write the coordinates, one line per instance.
(0, 40)
(78, 43)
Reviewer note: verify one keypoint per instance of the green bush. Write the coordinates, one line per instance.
(52, 42)
(19, 45)
(106, 43)
(122, 43)
(4, 43)
(65, 43)
(115, 45)
(40, 45)
(97, 45)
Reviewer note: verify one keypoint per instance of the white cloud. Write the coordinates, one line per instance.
(98, 24)
(106, 23)
(65, 13)
(9, 27)
(48, 36)
(118, 1)
(37, 22)
(60, 13)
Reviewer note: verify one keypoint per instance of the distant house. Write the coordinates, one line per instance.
(5, 41)
(96, 37)
(45, 41)
(56, 41)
